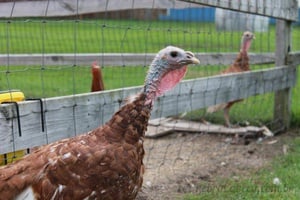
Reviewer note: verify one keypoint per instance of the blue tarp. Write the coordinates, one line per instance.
(190, 14)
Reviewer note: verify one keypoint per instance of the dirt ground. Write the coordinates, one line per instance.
(177, 163)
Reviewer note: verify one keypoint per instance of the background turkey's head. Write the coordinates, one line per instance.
(246, 40)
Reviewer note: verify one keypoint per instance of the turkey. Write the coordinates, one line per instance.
(105, 163)
(240, 64)
(97, 80)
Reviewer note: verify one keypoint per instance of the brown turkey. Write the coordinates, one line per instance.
(97, 79)
(105, 163)
(240, 64)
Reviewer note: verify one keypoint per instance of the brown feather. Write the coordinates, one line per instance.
(115, 153)
(240, 64)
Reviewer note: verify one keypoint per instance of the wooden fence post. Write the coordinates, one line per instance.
(282, 101)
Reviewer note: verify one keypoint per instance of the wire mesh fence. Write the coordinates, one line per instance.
(110, 32)
(140, 32)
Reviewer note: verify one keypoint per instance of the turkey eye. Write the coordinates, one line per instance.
(174, 54)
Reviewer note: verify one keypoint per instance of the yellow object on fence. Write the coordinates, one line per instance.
(11, 96)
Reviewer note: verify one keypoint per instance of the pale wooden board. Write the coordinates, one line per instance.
(282, 105)
(71, 115)
(65, 117)
(157, 131)
(283, 9)
(204, 92)
(121, 59)
(172, 125)
(78, 7)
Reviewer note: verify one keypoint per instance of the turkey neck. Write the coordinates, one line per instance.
(245, 45)
(242, 58)
(131, 121)
(158, 68)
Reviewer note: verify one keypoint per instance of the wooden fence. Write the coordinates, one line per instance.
(63, 117)
(118, 59)
(78, 7)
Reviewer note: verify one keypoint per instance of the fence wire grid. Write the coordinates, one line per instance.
(135, 31)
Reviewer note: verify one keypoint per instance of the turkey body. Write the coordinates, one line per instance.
(97, 79)
(241, 64)
(105, 163)
(111, 159)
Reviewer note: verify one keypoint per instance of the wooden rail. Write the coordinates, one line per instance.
(77, 7)
(280, 9)
(67, 116)
(120, 59)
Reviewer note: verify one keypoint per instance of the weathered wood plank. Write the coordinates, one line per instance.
(118, 59)
(282, 101)
(170, 125)
(64, 117)
(78, 7)
(280, 9)
(71, 115)
(204, 92)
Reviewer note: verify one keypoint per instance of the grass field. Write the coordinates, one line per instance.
(87, 36)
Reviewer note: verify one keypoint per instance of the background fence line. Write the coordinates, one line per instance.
(67, 116)
(93, 109)
(118, 59)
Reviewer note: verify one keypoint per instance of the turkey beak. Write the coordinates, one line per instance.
(195, 60)
(191, 59)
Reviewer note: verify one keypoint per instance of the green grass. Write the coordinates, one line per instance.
(259, 185)
(51, 81)
(87, 36)
(35, 82)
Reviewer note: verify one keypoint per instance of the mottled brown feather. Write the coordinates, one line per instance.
(107, 160)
